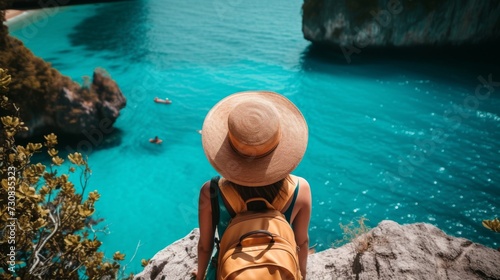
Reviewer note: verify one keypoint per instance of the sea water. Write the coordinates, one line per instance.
(396, 136)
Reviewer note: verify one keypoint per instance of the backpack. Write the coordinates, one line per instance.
(256, 244)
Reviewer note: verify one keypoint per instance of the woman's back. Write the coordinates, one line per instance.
(255, 140)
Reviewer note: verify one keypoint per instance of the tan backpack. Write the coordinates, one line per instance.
(257, 245)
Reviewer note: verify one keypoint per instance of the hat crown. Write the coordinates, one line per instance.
(254, 128)
(254, 138)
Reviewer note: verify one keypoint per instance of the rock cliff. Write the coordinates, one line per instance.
(388, 251)
(51, 102)
(362, 23)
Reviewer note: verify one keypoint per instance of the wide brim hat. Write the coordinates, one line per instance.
(254, 138)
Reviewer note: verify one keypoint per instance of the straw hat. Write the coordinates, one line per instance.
(254, 138)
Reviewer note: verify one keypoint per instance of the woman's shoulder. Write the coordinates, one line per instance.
(205, 190)
(206, 185)
(304, 195)
(302, 182)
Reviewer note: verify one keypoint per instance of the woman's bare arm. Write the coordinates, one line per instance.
(205, 244)
(301, 224)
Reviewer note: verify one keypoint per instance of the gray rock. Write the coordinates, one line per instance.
(388, 251)
(176, 261)
(415, 251)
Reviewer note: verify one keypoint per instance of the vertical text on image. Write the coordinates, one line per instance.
(11, 211)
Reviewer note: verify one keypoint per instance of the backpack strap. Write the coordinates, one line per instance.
(233, 198)
(214, 201)
(238, 205)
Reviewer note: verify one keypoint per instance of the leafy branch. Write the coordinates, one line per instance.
(45, 224)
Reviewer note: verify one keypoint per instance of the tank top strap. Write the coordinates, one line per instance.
(282, 199)
(288, 212)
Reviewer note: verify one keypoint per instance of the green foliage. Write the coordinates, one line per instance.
(3, 6)
(493, 225)
(5, 80)
(45, 224)
(357, 234)
(36, 86)
(34, 83)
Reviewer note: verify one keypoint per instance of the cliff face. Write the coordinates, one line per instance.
(388, 251)
(362, 23)
(51, 102)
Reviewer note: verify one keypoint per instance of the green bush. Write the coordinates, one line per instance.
(357, 234)
(47, 227)
(493, 225)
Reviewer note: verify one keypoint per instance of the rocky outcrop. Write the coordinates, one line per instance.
(84, 109)
(51, 102)
(388, 251)
(415, 251)
(176, 261)
(362, 23)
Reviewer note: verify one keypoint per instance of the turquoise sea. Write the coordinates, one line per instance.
(397, 135)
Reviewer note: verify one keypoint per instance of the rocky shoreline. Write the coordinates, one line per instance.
(388, 251)
(10, 14)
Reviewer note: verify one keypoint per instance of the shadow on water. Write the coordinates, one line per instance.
(119, 28)
(450, 63)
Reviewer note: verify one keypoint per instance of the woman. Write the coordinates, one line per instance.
(255, 140)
